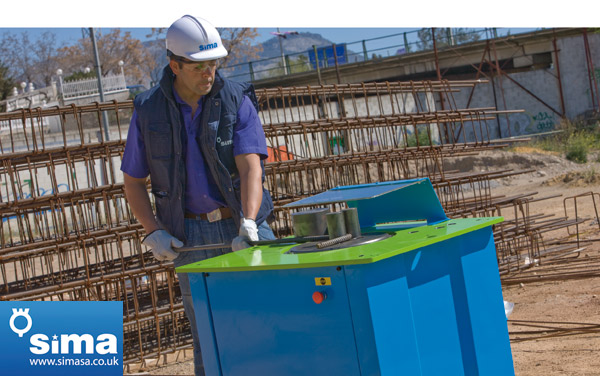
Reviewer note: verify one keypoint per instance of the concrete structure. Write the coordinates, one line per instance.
(545, 73)
(86, 91)
(44, 97)
(65, 93)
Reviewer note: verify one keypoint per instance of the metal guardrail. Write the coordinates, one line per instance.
(408, 42)
(81, 88)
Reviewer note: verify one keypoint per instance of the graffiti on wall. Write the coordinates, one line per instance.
(26, 188)
(544, 121)
(525, 123)
(521, 123)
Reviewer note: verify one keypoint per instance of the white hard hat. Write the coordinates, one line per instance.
(195, 39)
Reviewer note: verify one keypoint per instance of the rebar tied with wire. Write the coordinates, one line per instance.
(68, 232)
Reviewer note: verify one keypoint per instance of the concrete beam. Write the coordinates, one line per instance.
(422, 64)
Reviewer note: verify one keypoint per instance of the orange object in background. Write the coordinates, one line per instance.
(279, 154)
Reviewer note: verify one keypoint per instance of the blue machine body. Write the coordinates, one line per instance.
(436, 309)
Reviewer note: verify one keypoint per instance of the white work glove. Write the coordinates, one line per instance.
(248, 231)
(161, 244)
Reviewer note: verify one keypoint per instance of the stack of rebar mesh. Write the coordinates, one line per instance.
(68, 233)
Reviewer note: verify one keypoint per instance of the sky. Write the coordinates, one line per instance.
(377, 39)
(335, 35)
(300, 14)
(338, 21)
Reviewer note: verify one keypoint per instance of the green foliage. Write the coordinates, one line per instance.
(299, 65)
(135, 90)
(6, 82)
(577, 152)
(6, 85)
(81, 76)
(579, 145)
(296, 65)
(337, 145)
(576, 141)
(552, 143)
(445, 37)
(276, 71)
(590, 176)
(411, 140)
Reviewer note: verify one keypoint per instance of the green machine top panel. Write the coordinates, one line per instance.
(273, 257)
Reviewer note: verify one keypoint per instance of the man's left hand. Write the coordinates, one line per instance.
(248, 231)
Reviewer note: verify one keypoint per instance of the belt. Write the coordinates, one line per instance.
(213, 216)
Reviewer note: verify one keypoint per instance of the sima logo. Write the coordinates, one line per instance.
(105, 343)
(209, 46)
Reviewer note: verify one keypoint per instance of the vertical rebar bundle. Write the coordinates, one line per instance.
(68, 233)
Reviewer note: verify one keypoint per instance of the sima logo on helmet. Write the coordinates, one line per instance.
(209, 46)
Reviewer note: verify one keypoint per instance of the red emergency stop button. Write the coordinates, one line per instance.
(319, 296)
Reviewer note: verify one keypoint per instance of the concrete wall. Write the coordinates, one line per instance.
(79, 175)
(118, 96)
(541, 114)
(358, 139)
(574, 72)
(535, 118)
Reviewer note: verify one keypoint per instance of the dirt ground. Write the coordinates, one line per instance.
(555, 324)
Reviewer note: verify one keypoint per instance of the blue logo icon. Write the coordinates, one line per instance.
(61, 338)
(17, 313)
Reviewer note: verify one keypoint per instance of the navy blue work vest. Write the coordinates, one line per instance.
(163, 130)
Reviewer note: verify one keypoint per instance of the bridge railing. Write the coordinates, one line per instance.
(80, 88)
(401, 43)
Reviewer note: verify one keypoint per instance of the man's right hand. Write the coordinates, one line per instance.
(161, 244)
(248, 231)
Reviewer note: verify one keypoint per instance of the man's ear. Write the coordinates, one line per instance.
(174, 66)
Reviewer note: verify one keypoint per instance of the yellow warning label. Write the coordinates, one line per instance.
(323, 281)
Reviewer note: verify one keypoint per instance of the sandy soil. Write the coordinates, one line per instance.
(555, 325)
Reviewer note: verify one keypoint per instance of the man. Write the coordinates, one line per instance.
(199, 138)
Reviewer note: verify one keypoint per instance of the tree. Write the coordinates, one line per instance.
(275, 71)
(297, 65)
(6, 84)
(46, 53)
(112, 48)
(81, 75)
(465, 36)
(445, 37)
(300, 64)
(157, 49)
(237, 42)
(27, 60)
